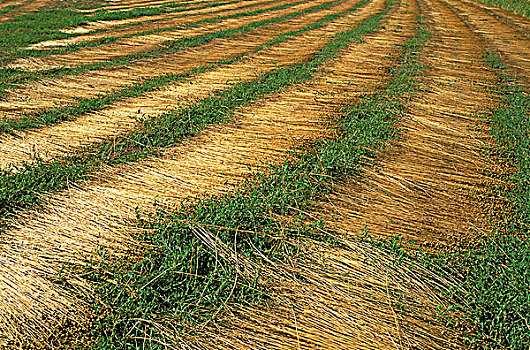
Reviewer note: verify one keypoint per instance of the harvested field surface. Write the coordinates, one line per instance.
(92, 31)
(309, 174)
(149, 42)
(11, 9)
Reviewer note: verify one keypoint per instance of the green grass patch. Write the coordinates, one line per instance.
(164, 287)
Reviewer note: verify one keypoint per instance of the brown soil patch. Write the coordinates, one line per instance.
(66, 137)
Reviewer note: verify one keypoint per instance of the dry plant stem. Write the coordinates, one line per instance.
(512, 44)
(419, 192)
(146, 43)
(37, 96)
(166, 20)
(65, 137)
(77, 221)
(143, 23)
(333, 310)
(190, 7)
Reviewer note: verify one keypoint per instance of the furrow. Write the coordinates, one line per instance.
(423, 186)
(65, 137)
(80, 220)
(145, 43)
(513, 46)
(134, 26)
(62, 91)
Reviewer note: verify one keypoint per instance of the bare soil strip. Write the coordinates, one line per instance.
(146, 23)
(76, 222)
(48, 93)
(66, 137)
(510, 43)
(144, 43)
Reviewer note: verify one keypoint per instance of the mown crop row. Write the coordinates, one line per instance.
(25, 186)
(163, 284)
(13, 77)
(517, 6)
(47, 25)
(187, 274)
(84, 105)
(494, 271)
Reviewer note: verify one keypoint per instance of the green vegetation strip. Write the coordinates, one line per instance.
(25, 187)
(182, 281)
(14, 77)
(520, 7)
(498, 273)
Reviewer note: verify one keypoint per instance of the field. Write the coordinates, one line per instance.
(264, 174)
